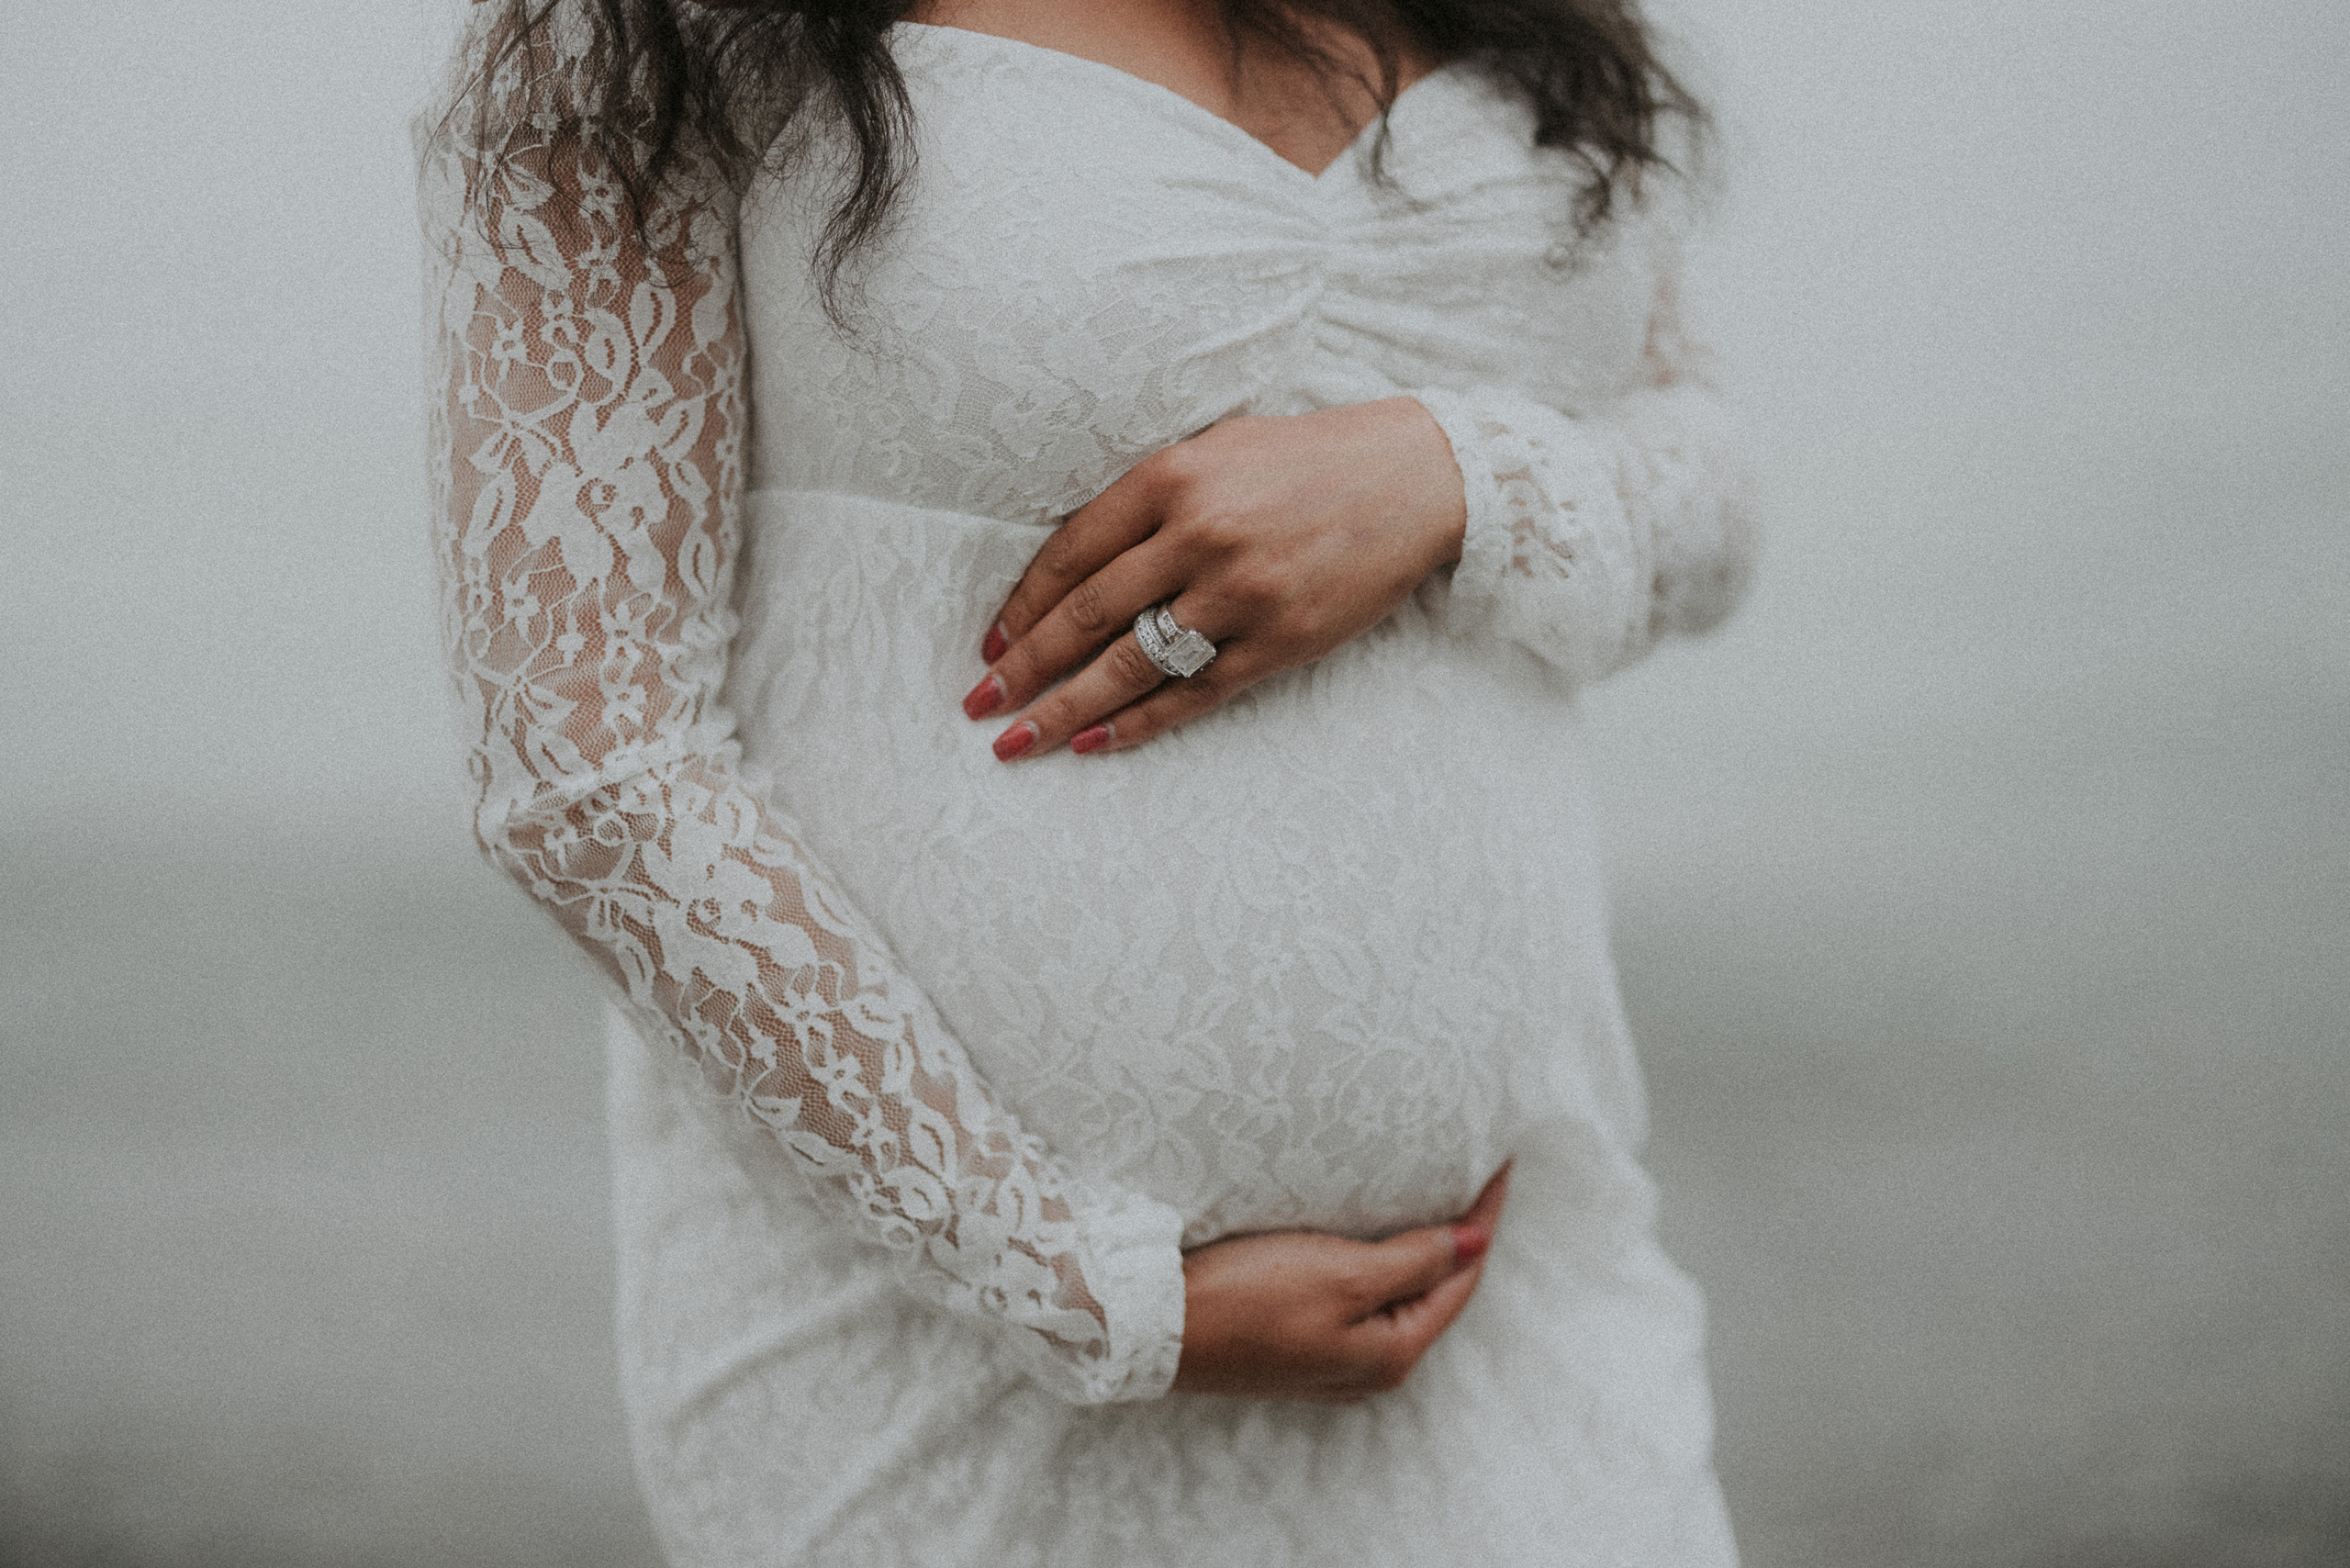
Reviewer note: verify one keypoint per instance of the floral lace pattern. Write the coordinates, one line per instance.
(588, 509)
(1324, 958)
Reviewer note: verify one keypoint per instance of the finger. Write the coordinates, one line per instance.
(1237, 667)
(1090, 614)
(1110, 683)
(1381, 1350)
(1092, 536)
(1412, 1269)
(1487, 1210)
(1417, 1323)
(1405, 1265)
(1178, 702)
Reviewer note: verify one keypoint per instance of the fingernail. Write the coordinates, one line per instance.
(1015, 740)
(992, 648)
(984, 699)
(1093, 737)
(1468, 1244)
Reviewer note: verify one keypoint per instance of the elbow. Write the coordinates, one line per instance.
(1700, 583)
(1696, 606)
(516, 844)
(1709, 590)
(564, 838)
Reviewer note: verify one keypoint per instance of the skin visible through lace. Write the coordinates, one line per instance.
(595, 419)
(594, 424)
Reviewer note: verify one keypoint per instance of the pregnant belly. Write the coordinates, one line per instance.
(1325, 958)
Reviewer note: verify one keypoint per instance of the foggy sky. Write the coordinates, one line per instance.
(2038, 311)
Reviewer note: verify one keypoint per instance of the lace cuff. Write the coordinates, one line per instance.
(1588, 539)
(1138, 1274)
(1543, 508)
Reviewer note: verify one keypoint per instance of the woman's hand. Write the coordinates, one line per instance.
(1277, 538)
(1297, 1314)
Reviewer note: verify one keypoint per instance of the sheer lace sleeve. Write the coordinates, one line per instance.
(587, 418)
(1590, 538)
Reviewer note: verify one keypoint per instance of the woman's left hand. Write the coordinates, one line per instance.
(1277, 538)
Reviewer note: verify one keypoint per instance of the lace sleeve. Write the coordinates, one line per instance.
(1590, 538)
(588, 423)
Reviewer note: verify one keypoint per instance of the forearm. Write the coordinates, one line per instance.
(727, 940)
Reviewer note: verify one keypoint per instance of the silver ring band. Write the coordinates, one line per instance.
(1176, 650)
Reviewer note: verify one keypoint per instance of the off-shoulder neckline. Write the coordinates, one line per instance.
(1190, 108)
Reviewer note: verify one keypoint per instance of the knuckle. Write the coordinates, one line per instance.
(1216, 531)
(1257, 589)
(1049, 570)
(1176, 468)
(1131, 666)
(1089, 610)
(1361, 1292)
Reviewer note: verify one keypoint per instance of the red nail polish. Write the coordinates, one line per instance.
(1093, 737)
(1468, 1244)
(1015, 741)
(983, 699)
(992, 648)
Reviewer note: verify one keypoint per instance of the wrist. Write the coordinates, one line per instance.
(1444, 508)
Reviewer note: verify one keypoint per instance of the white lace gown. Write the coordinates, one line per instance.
(923, 1067)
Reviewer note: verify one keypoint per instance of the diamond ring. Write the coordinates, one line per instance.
(1176, 650)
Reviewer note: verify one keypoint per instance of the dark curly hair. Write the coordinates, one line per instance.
(717, 83)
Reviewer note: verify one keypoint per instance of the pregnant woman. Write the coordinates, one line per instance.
(1018, 572)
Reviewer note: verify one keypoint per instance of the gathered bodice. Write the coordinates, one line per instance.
(1152, 268)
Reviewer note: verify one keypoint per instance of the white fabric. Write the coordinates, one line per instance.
(978, 1043)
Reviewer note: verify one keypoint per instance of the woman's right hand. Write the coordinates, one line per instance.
(1299, 1315)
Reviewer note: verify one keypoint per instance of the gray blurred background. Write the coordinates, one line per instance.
(1984, 891)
